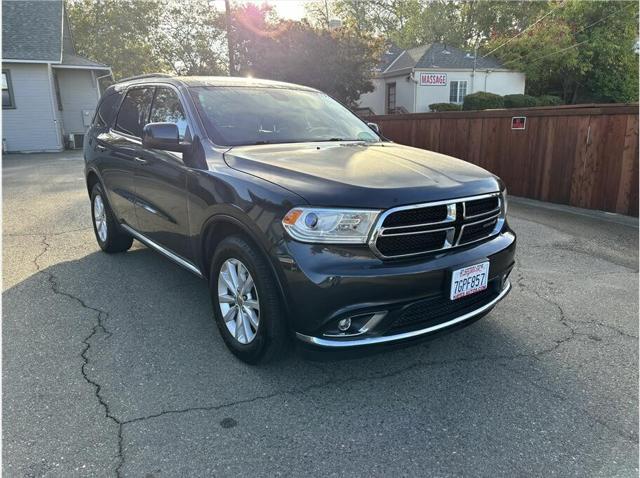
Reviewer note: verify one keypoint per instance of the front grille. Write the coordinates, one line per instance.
(436, 310)
(420, 229)
(481, 206)
(476, 231)
(411, 217)
(396, 245)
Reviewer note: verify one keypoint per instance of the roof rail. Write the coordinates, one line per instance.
(148, 75)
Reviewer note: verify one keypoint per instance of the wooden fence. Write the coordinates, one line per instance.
(585, 156)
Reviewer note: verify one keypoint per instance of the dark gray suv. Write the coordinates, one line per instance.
(309, 227)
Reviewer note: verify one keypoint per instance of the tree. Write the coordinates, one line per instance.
(136, 37)
(117, 33)
(410, 23)
(191, 38)
(338, 61)
(583, 52)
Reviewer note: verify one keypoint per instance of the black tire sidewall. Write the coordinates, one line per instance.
(97, 190)
(117, 239)
(271, 328)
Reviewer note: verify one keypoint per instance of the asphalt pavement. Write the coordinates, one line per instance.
(112, 364)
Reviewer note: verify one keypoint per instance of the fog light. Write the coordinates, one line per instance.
(344, 325)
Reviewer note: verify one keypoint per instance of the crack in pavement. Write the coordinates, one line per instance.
(99, 327)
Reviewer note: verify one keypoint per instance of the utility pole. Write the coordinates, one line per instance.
(326, 10)
(232, 62)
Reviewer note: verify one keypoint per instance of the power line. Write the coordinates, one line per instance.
(550, 54)
(525, 30)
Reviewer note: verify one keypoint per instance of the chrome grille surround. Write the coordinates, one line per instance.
(454, 228)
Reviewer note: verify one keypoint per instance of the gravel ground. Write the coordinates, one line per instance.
(113, 365)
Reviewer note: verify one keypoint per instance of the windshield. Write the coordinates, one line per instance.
(248, 115)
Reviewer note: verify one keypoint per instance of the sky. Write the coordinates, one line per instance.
(287, 9)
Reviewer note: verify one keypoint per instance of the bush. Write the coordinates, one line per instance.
(520, 101)
(482, 101)
(445, 107)
(549, 100)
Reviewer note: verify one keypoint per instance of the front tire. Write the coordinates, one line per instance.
(110, 236)
(246, 302)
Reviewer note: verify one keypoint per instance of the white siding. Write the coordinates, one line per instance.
(498, 82)
(374, 99)
(32, 125)
(404, 91)
(78, 93)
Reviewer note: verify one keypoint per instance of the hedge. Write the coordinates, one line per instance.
(549, 100)
(445, 107)
(482, 101)
(520, 101)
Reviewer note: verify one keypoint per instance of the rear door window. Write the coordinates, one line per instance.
(107, 110)
(134, 112)
(167, 109)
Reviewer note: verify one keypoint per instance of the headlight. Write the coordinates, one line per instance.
(337, 226)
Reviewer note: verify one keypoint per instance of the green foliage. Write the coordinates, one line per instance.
(520, 101)
(117, 33)
(338, 61)
(482, 101)
(191, 38)
(136, 37)
(549, 100)
(582, 52)
(416, 22)
(445, 107)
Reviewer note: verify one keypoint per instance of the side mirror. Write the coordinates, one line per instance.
(163, 136)
(374, 127)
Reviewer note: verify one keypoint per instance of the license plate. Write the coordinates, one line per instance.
(469, 280)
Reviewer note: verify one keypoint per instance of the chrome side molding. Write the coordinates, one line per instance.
(163, 250)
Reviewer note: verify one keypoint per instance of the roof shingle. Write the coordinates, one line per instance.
(32, 30)
(441, 56)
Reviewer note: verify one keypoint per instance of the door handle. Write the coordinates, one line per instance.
(141, 160)
(99, 147)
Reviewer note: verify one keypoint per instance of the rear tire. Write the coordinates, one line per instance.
(110, 236)
(255, 328)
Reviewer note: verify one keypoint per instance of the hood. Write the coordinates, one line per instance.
(378, 175)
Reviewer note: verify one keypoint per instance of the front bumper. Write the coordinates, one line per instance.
(413, 334)
(396, 300)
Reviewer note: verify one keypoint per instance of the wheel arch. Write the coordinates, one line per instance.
(92, 179)
(222, 225)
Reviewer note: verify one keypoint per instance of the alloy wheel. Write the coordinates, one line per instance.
(238, 300)
(100, 217)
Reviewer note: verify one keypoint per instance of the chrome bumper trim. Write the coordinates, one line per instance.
(406, 335)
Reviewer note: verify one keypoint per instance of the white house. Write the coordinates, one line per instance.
(49, 93)
(411, 80)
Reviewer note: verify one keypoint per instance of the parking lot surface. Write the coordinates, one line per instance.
(112, 364)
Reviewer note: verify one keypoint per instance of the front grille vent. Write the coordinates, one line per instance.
(419, 229)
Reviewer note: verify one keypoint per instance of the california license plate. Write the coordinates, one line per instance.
(469, 280)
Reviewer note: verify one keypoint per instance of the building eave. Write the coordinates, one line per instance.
(41, 62)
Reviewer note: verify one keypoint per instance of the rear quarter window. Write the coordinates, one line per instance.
(107, 110)
(134, 111)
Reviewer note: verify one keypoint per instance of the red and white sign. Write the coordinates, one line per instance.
(433, 79)
(518, 122)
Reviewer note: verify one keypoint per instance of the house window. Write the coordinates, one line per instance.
(391, 98)
(8, 101)
(457, 91)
